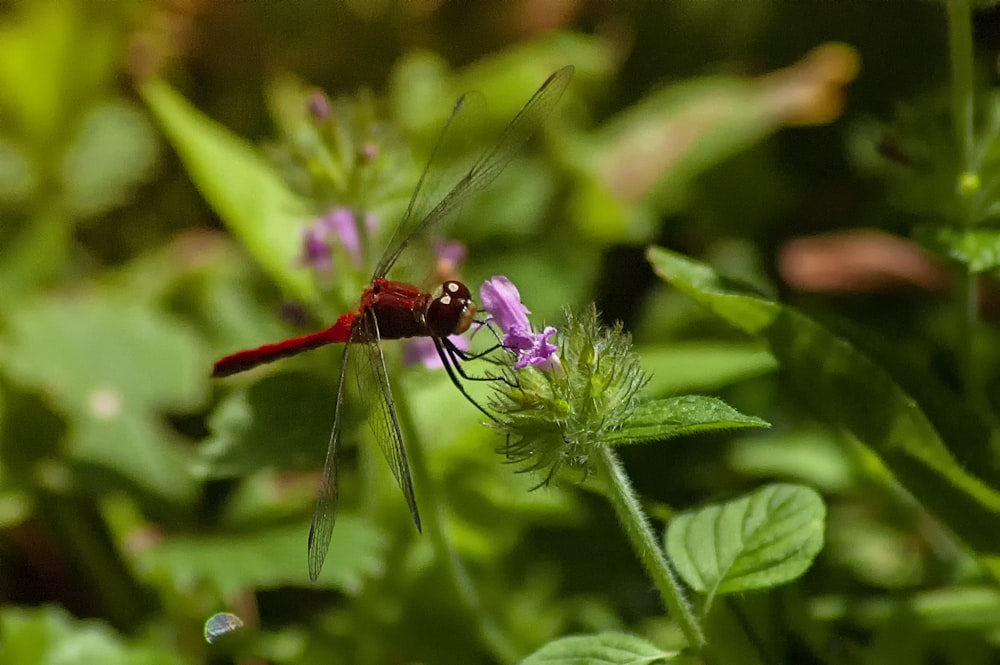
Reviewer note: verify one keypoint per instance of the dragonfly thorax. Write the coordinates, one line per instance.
(452, 311)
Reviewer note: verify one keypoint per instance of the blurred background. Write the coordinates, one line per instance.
(159, 164)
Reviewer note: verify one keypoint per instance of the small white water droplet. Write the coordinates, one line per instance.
(221, 624)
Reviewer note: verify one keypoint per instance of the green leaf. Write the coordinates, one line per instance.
(268, 558)
(664, 419)
(946, 609)
(978, 249)
(20, 179)
(848, 389)
(277, 423)
(53, 56)
(637, 168)
(703, 365)
(811, 455)
(110, 368)
(600, 649)
(243, 189)
(114, 151)
(764, 539)
(50, 636)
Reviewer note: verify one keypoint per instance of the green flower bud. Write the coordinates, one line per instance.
(555, 415)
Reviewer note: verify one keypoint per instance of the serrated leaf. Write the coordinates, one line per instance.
(269, 558)
(600, 649)
(243, 189)
(281, 422)
(758, 541)
(662, 419)
(976, 248)
(110, 368)
(845, 386)
(702, 366)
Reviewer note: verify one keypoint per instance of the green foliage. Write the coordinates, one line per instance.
(48, 635)
(245, 191)
(702, 365)
(758, 541)
(94, 361)
(664, 419)
(267, 558)
(841, 381)
(72, 147)
(161, 163)
(610, 648)
(270, 425)
(977, 249)
(114, 153)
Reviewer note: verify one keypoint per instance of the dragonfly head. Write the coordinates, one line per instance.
(452, 311)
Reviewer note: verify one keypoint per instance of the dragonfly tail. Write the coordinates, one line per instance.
(244, 360)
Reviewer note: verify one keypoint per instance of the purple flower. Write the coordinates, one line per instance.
(338, 226)
(421, 351)
(452, 252)
(318, 105)
(503, 301)
(369, 151)
(449, 256)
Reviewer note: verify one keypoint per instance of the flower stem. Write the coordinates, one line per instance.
(963, 120)
(962, 91)
(433, 518)
(639, 532)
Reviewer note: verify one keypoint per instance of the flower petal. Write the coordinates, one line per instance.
(502, 300)
(316, 250)
(538, 351)
(342, 224)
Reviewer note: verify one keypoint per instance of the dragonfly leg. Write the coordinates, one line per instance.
(458, 356)
(452, 363)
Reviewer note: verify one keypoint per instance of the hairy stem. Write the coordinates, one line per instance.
(645, 544)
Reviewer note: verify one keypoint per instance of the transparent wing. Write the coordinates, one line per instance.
(451, 158)
(376, 395)
(420, 215)
(325, 513)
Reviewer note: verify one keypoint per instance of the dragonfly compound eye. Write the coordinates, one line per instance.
(452, 312)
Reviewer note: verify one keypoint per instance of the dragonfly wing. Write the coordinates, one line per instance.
(325, 513)
(423, 212)
(449, 161)
(376, 395)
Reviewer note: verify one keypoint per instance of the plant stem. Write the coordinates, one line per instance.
(963, 119)
(433, 518)
(967, 301)
(639, 532)
(962, 92)
(79, 529)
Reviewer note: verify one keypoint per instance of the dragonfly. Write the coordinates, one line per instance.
(397, 309)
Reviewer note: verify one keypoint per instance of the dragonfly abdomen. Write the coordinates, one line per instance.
(244, 360)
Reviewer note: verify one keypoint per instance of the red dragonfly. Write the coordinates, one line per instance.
(396, 310)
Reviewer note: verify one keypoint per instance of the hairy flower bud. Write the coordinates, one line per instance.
(555, 415)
